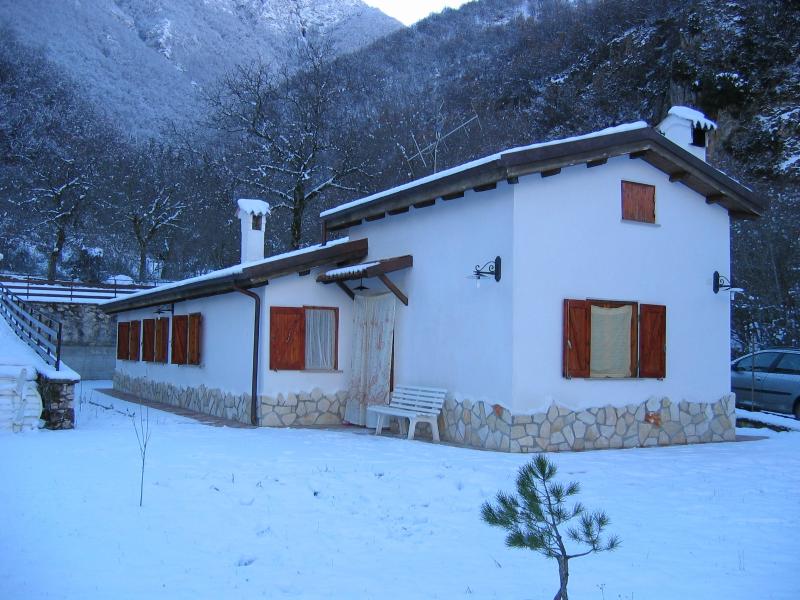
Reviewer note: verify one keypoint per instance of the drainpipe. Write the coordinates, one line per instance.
(256, 332)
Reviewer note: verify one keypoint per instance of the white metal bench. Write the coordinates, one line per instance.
(417, 404)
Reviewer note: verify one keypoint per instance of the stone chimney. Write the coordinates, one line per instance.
(688, 128)
(252, 214)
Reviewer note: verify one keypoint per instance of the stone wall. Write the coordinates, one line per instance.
(210, 401)
(657, 422)
(313, 408)
(58, 402)
(285, 410)
(88, 338)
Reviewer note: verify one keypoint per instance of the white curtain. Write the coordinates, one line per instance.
(373, 334)
(610, 354)
(320, 338)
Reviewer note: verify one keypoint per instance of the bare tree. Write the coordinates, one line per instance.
(151, 197)
(290, 128)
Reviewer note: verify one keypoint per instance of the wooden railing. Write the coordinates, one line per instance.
(67, 291)
(35, 327)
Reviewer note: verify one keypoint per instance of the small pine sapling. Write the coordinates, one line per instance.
(537, 518)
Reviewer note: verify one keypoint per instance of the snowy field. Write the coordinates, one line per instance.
(240, 513)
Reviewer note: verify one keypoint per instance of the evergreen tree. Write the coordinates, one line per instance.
(536, 519)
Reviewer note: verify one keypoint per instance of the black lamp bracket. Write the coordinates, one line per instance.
(490, 269)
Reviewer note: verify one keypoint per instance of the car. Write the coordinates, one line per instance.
(768, 380)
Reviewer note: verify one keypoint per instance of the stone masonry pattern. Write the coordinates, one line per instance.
(58, 401)
(285, 410)
(656, 422)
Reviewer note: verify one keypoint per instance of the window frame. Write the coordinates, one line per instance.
(302, 350)
(649, 342)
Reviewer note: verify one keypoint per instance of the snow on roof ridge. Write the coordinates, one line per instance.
(234, 270)
(697, 118)
(481, 161)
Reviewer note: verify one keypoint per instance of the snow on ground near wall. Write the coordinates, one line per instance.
(279, 513)
(13, 351)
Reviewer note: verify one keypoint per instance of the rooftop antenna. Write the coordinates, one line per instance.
(432, 149)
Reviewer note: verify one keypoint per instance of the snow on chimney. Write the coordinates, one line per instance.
(252, 214)
(687, 128)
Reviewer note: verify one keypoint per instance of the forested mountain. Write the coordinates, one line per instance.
(147, 63)
(455, 86)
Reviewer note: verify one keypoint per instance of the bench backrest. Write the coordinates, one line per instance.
(424, 400)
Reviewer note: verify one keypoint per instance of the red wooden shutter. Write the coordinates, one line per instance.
(287, 338)
(123, 341)
(133, 344)
(638, 202)
(577, 336)
(162, 339)
(652, 341)
(180, 327)
(194, 338)
(148, 340)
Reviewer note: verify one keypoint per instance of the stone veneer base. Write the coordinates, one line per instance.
(285, 410)
(656, 422)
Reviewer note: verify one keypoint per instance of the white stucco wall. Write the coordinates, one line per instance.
(570, 242)
(226, 345)
(452, 334)
(227, 340)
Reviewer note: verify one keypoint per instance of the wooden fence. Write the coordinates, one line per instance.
(35, 327)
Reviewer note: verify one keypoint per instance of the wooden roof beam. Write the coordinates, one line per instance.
(550, 172)
(715, 198)
(393, 288)
(678, 176)
(596, 163)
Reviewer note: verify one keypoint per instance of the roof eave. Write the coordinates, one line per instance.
(250, 277)
(644, 143)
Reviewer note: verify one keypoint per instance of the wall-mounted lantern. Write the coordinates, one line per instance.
(723, 283)
(490, 269)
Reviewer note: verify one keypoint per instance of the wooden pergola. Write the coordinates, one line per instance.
(377, 268)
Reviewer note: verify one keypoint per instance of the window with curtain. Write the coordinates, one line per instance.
(304, 338)
(320, 338)
(606, 339)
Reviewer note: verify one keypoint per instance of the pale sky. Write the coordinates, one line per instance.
(411, 11)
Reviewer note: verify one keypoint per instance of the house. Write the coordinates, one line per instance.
(564, 293)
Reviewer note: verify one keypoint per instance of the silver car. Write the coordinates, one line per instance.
(768, 380)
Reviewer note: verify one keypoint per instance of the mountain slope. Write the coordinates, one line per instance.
(147, 62)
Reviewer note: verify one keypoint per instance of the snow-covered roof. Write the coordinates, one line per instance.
(351, 270)
(697, 118)
(253, 206)
(479, 162)
(636, 140)
(242, 275)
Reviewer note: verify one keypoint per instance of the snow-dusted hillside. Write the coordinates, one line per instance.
(148, 61)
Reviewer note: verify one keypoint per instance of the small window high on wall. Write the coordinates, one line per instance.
(303, 338)
(614, 339)
(638, 202)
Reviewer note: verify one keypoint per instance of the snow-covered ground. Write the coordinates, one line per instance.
(274, 513)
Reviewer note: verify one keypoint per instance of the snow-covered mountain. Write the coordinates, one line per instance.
(147, 62)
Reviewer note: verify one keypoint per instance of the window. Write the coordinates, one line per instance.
(759, 362)
(698, 137)
(123, 340)
(614, 339)
(303, 338)
(186, 339)
(638, 202)
(257, 222)
(789, 364)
